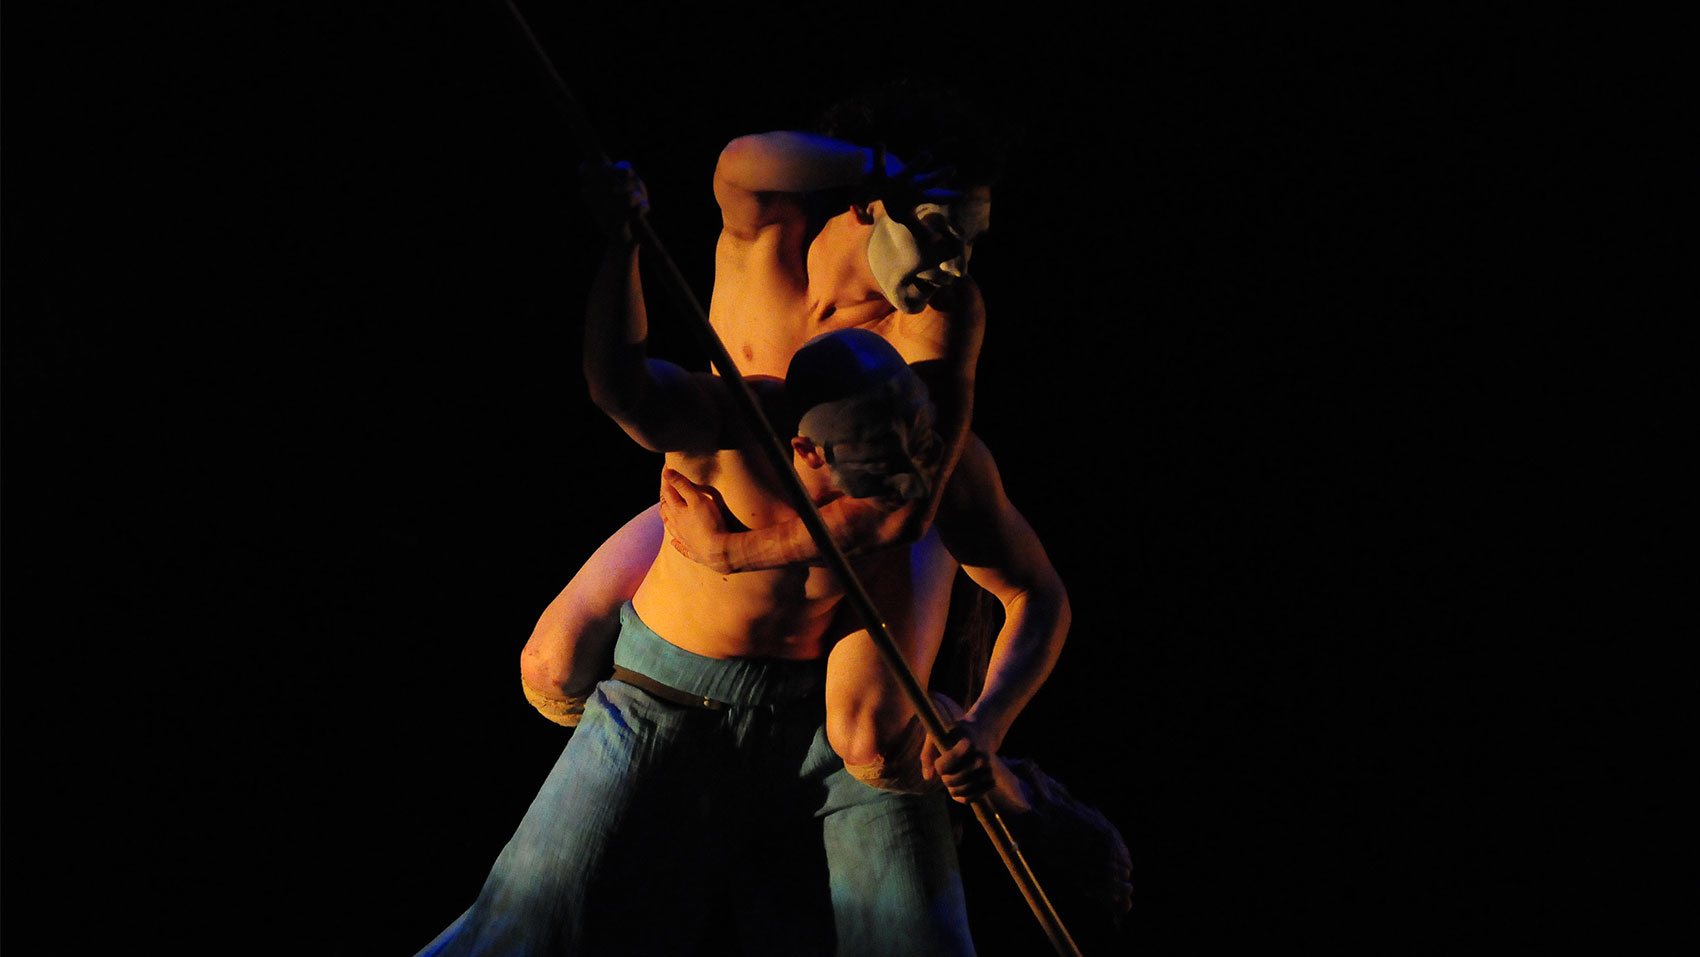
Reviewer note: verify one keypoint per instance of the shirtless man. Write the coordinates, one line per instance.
(755, 627)
(787, 269)
(892, 871)
(696, 773)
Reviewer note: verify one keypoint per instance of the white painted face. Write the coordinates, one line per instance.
(912, 263)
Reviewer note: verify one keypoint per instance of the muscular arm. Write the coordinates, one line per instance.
(1001, 553)
(869, 722)
(572, 646)
(660, 405)
(759, 176)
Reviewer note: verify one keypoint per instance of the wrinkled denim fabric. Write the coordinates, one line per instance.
(661, 823)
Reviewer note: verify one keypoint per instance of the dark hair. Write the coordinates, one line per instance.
(912, 116)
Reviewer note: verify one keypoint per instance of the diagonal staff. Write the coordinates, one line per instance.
(779, 456)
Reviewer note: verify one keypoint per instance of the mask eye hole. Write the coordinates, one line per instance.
(938, 238)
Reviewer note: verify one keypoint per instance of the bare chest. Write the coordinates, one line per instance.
(764, 321)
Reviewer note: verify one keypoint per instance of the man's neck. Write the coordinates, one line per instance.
(839, 277)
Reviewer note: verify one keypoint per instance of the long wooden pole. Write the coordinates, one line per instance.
(778, 454)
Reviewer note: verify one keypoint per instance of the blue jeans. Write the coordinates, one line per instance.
(658, 816)
(896, 889)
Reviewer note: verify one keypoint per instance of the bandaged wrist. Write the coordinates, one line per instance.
(563, 710)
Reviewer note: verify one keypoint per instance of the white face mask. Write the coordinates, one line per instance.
(900, 266)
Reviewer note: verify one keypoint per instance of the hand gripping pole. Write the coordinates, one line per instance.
(779, 456)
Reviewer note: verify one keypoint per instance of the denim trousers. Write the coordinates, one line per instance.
(661, 823)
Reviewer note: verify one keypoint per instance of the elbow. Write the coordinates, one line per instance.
(738, 151)
(544, 673)
(621, 398)
(607, 398)
(543, 684)
(1062, 614)
(738, 161)
(1044, 607)
(604, 387)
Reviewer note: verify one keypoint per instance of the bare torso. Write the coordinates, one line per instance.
(771, 297)
(783, 613)
(775, 288)
(767, 303)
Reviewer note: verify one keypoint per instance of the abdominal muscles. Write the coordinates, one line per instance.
(771, 614)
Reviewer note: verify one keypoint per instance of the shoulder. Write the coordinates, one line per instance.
(975, 484)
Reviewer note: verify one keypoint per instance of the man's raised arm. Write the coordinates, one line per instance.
(661, 406)
(759, 176)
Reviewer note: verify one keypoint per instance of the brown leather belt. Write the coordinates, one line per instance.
(666, 692)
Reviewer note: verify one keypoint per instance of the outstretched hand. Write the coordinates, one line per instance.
(691, 515)
(614, 191)
(966, 767)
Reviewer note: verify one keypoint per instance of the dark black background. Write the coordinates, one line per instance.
(297, 447)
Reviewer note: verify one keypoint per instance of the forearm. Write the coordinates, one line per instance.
(1035, 627)
(855, 528)
(616, 329)
(775, 546)
(660, 405)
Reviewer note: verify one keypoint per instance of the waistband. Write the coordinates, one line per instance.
(735, 681)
